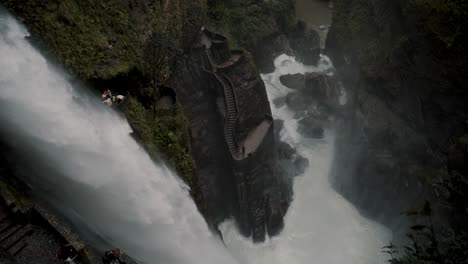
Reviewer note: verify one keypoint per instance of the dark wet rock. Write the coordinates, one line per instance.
(165, 103)
(285, 151)
(300, 114)
(269, 49)
(278, 127)
(6, 258)
(274, 222)
(314, 89)
(306, 43)
(298, 102)
(279, 102)
(310, 127)
(293, 81)
(406, 107)
(458, 156)
(290, 162)
(300, 164)
(250, 189)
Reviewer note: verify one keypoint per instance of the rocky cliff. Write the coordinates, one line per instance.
(404, 66)
(152, 49)
(225, 101)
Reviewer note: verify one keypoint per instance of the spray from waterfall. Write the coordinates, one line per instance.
(80, 155)
(320, 226)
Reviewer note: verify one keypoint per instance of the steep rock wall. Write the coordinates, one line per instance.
(402, 64)
(105, 43)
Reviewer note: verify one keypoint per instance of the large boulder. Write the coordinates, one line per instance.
(297, 101)
(269, 49)
(310, 126)
(293, 81)
(279, 102)
(292, 163)
(300, 165)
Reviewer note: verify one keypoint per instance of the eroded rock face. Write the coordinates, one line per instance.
(407, 103)
(293, 81)
(251, 188)
(269, 49)
(290, 162)
(306, 43)
(297, 101)
(310, 126)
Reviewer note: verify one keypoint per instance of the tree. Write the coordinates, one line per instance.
(158, 62)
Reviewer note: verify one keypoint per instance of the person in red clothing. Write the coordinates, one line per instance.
(113, 256)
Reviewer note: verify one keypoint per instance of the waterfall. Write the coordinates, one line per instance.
(80, 155)
(321, 226)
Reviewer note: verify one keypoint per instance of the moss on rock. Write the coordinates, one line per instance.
(101, 39)
(166, 133)
(104, 41)
(245, 23)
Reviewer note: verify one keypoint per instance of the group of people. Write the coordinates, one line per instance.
(70, 256)
(108, 99)
(113, 256)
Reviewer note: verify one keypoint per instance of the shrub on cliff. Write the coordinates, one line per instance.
(429, 246)
(246, 23)
(164, 133)
(446, 19)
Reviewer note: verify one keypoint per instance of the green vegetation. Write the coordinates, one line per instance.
(444, 18)
(107, 41)
(245, 23)
(378, 33)
(99, 39)
(164, 133)
(95, 39)
(428, 246)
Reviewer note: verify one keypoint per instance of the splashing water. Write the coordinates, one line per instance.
(321, 226)
(86, 162)
(81, 154)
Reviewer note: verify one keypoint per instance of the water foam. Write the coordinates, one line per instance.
(320, 226)
(80, 154)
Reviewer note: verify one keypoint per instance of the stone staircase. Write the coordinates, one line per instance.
(230, 122)
(13, 235)
(209, 55)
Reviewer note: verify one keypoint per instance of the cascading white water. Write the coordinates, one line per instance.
(86, 162)
(321, 226)
(83, 156)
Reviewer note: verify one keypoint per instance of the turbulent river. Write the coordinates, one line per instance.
(80, 156)
(320, 226)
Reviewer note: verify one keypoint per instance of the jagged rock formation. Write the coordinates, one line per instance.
(233, 145)
(230, 119)
(300, 40)
(315, 99)
(404, 65)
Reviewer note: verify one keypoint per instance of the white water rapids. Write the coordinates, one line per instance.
(92, 165)
(321, 226)
(87, 163)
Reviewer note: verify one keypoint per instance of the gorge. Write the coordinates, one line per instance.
(241, 126)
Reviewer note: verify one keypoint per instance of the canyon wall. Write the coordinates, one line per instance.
(402, 136)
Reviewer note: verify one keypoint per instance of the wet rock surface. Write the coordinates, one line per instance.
(407, 106)
(293, 81)
(305, 42)
(310, 126)
(250, 189)
(269, 49)
(290, 162)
